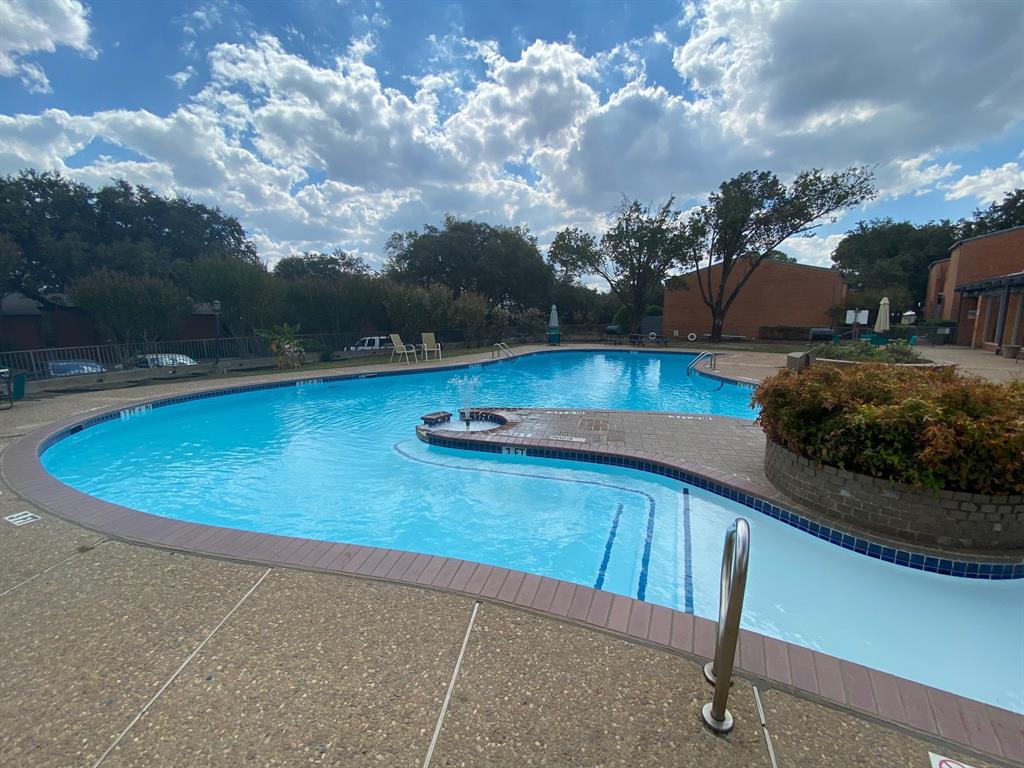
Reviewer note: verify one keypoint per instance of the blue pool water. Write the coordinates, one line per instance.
(339, 461)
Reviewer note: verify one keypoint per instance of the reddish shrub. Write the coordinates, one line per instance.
(926, 427)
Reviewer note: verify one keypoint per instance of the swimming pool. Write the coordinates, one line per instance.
(338, 461)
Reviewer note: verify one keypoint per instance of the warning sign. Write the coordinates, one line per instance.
(938, 761)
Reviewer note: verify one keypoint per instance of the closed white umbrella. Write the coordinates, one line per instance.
(553, 319)
(882, 321)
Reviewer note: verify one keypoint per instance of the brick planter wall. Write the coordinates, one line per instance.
(934, 519)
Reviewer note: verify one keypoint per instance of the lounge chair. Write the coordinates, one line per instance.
(400, 348)
(430, 344)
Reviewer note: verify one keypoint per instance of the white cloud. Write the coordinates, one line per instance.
(321, 154)
(28, 27)
(182, 77)
(828, 83)
(917, 175)
(989, 184)
(812, 250)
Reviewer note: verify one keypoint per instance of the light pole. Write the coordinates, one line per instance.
(216, 344)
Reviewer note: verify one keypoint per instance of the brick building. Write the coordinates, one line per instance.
(27, 324)
(980, 287)
(777, 294)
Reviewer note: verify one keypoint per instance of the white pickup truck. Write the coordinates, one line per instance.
(372, 344)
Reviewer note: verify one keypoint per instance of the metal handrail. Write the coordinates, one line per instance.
(735, 555)
(501, 347)
(711, 357)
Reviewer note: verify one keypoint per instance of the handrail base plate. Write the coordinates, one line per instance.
(722, 726)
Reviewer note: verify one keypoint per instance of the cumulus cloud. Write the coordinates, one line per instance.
(989, 184)
(816, 250)
(182, 77)
(917, 175)
(27, 28)
(321, 154)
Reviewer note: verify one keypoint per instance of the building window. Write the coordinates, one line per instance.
(938, 299)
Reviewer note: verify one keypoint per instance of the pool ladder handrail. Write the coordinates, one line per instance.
(502, 348)
(711, 357)
(735, 556)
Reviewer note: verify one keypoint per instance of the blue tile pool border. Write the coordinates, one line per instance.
(909, 559)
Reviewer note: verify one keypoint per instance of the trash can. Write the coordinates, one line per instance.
(18, 386)
(554, 337)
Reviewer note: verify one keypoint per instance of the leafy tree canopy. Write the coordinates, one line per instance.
(746, 220)
(63, 230)
(885, 255)
(321, 265)
(250, 297)
(132, 307)
(633, 256)
(501, 263)
(1002, 215)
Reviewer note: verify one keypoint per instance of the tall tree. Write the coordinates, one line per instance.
(1007, 213)
(633, 256)
(887, 257)
(501, 263)
(132, 307)
(63, 230)
(321, 265)
(249, 295)
(749, 217)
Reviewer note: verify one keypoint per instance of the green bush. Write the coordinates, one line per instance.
(927, 427)
(896, 351)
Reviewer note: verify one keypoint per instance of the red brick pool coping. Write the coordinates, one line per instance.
(930, 712)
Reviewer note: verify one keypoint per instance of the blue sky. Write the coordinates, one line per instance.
(325, 124)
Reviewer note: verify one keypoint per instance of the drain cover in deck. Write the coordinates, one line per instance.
(20, 518)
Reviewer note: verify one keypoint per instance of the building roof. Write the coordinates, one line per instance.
(988, 234)
(18, 304)
(771, 261)
(1011, 280)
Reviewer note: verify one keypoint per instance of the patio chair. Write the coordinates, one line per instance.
(400, 348)
(430, 344)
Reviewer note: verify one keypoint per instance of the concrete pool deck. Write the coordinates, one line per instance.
(281, 666)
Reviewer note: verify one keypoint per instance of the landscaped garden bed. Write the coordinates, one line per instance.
(896, 351)
(921, 455)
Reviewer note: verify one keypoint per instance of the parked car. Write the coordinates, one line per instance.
(372, 344)
(163, 360)
(72, 367)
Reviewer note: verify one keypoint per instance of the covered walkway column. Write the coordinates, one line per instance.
(1004, 303)
(1015, 334)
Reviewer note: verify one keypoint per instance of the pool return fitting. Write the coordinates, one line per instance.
(735, 555)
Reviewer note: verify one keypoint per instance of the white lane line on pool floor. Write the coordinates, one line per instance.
(178, 671)
(451, 687)
(59, 563)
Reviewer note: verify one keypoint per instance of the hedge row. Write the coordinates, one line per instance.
(931, 428)
(895, 351)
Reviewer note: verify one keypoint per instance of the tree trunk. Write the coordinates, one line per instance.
(717, 322)
(636, 316)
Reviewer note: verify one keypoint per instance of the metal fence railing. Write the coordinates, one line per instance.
(39, 363)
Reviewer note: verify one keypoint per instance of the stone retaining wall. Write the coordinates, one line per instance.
(934, 519)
